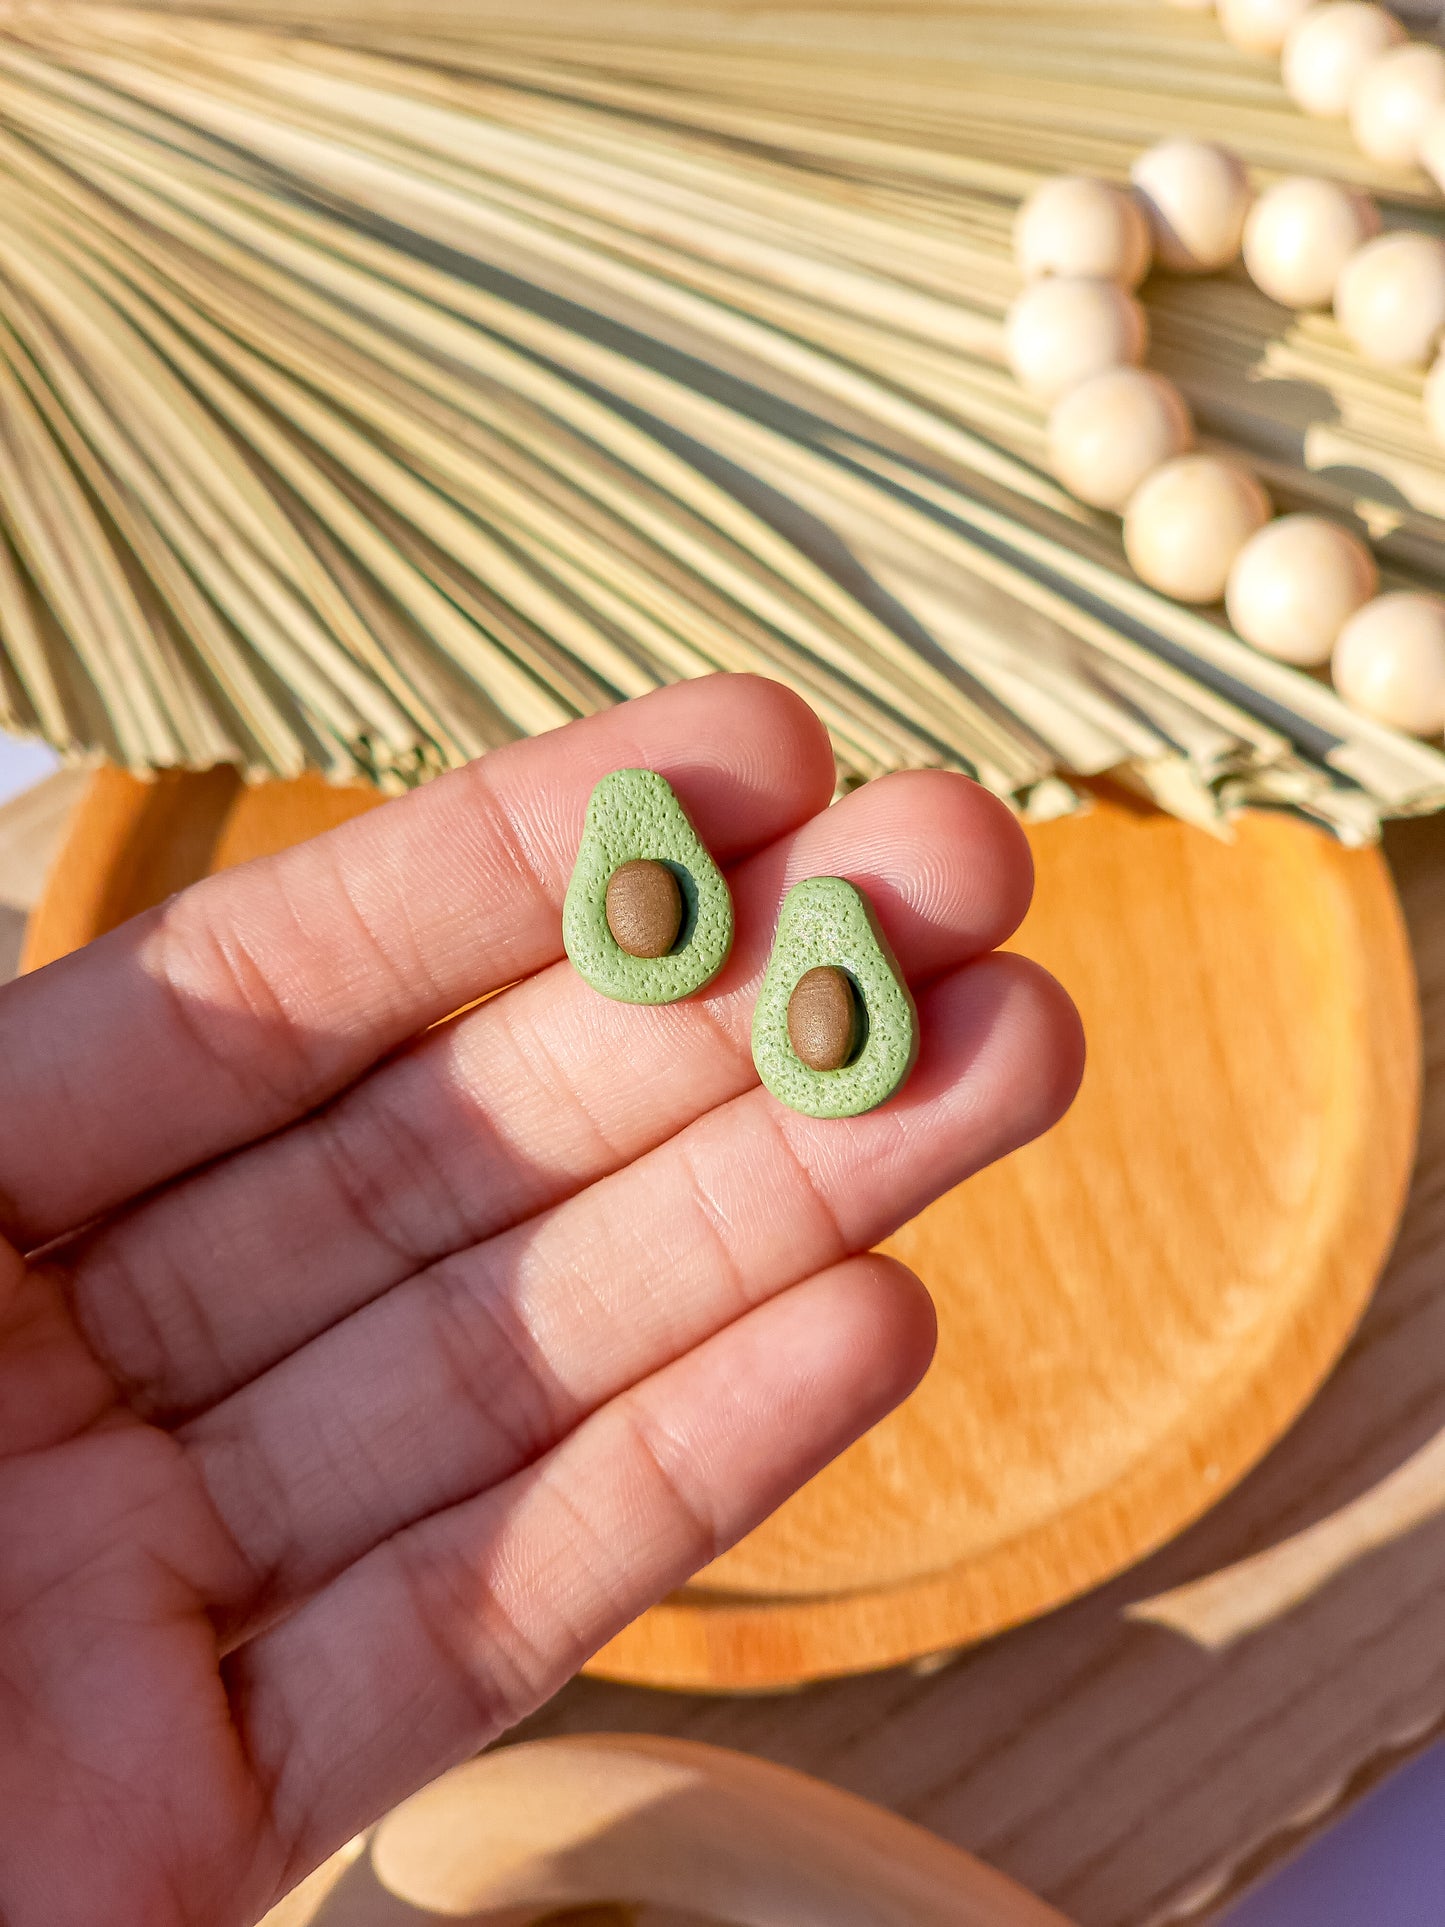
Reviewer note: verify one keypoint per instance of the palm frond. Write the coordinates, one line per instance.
(380, 383)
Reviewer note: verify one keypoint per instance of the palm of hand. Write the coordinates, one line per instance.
(392, 1369)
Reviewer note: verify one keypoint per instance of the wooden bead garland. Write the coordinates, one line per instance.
(1342, 57)
(1300, 586)
(1199, 527)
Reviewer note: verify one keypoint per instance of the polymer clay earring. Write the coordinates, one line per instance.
(835, 1031)
(648, 918)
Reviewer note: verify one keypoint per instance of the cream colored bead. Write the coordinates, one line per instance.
(1083, 228)
(1390, 300)
(1196, 196)
(1390, 662)
(1187, 522)
(1299, 235)
(1296, 584)
(1107, 434)
(1260, 26)
(1394, 103)
(1060, 332)
(1326, 54)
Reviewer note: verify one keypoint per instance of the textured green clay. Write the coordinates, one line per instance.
(633, 813)
(825, 920)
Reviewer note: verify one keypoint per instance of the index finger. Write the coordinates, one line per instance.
(251, 998)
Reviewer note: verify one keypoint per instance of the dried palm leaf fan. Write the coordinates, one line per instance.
(381, 382)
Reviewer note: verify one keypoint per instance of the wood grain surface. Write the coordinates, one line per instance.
(663, 1826)
(1131, 1311)
(551, 1834)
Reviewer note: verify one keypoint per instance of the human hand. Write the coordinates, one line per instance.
(366, 1377)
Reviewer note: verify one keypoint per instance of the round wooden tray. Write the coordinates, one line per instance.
(1131, 1311)
(568, 1824)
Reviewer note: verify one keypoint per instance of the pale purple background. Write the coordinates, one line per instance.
(1384, 1866)
(22, 764)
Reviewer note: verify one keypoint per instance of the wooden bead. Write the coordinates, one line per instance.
(1296, 584)
(1188, 521)
(1326, 54)
(1084, 229)
(1196, 196)
(1299, 235)
(1393, 105)
(1260, 26)
(1060, 332)
(1107, 434)
(644, 908)
(1390, 662)
(1390, 299)
(823, 1018)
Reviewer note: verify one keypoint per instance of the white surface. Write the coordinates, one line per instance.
(22, 764)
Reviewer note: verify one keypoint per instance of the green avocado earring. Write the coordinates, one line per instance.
(835, 1031)
(648, 917)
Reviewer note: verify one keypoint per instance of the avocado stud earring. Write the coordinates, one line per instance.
(835, 1031)
(648, 918)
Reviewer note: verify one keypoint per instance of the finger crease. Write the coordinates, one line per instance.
(661, 1457)
(366, 1197)
(503, 832)
(206, 1024)
(718, 1227)
(838, 1239)
(558, 1084)
(453, 1607)
(104, 1296)
(475, 1370)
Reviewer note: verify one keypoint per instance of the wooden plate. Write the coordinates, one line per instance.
(1132, 1311)
(571, 1824)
